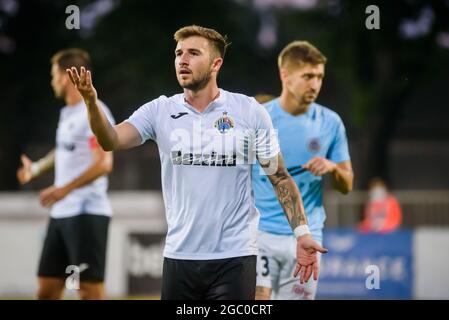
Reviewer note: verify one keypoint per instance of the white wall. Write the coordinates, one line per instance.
(431, 252)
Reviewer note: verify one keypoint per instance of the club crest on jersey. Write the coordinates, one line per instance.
(314, 145)
(224, 124)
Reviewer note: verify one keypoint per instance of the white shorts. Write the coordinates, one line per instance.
(276, 263)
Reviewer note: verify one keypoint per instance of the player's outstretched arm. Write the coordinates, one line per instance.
(30, 170)
(110, 137)
(289, 197)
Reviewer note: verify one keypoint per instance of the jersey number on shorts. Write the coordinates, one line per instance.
(265, 270)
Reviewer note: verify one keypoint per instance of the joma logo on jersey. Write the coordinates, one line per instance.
(203, 159)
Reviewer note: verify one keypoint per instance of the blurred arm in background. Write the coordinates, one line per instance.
(102, 164)
(341, 173)
(31, 170)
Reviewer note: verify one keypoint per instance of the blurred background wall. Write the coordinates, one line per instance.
(390, 85)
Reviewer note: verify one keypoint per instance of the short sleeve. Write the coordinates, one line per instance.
(266, 140)
(109, 116)
(338, 150)
(144, 120)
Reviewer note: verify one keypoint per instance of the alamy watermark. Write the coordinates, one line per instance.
(73, 20)
(72, 282)
(372, 22)
(373, 279)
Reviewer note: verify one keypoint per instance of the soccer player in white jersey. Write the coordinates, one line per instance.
(77, 232)
(313, 141)
(205, 138)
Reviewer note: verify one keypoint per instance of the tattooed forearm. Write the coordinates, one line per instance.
(290, 200)
(288, 194)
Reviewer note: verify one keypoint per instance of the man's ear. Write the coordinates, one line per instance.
(283, 73)
(67, 80)
(216, 65)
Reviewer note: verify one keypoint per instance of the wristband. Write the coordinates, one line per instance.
(35, 169)
(301, 230)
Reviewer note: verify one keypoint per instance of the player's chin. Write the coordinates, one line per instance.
(184, 83)
(309, 99)
(189, 85)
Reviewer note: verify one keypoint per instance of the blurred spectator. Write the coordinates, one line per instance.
(382, 211)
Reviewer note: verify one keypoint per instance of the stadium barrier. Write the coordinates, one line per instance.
(419, 208)
(410, 263)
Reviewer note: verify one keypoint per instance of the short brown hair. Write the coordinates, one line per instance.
(72, 57)
(218, 42)
(297, 53)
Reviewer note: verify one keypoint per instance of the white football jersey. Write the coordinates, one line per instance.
(206, 161)
(73, 157)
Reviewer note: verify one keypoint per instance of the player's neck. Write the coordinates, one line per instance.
(292, 105)
(200, 99)
(72, 98)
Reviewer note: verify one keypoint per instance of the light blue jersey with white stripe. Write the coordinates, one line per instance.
(318, 132)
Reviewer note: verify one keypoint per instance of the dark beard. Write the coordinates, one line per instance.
(198, 84)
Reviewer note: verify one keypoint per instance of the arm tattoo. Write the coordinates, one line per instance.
(288, 195)
(290, 199)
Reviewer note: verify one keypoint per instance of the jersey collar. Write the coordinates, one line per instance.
(311, 112)
(220, 101)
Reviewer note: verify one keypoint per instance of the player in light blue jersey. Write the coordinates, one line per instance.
(313, 141)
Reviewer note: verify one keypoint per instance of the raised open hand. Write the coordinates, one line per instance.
(83, 82)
